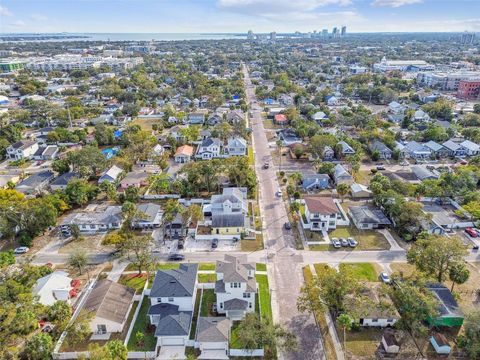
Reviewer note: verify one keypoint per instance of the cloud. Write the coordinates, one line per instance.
(395, 3)
(4, 11)
(253, 6)
(17, 24)
(38, 17)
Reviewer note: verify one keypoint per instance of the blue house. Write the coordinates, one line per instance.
(269, 101)
(440, 344)
(315, 182)
(110, 152)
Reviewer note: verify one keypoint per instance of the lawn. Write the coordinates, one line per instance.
(329, 347)
(207, 278)
(363, 177)
(252, 245)
(362, 343)
(363, 271)
(164, 266)
(208, 298)
(234, 336)
(367, 240)
(251, 157)
(264, 296)
(142, 324)
(402, 268)
(146, 124)
(206, 266)
(193, 330)
(261, 267)
(134, 281)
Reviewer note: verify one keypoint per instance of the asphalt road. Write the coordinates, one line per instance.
(285, 264)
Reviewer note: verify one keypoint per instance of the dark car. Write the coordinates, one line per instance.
(214, 243)
(287, 226)
(176, 257)
(180, 244)
(266, 165)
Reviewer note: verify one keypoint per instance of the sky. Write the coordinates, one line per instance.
(206, 16)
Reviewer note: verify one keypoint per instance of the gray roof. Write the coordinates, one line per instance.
(213, 329)
(341, 172)
(174, 325)
(313, 180)
(100, 215)
(422, 173)
(176, 282)
(228, 220)
(64, 179)
(163, 309)
(449, 144)
(235, 304)
(379, 146)
(22, 144)
(447, 306)
(366, 215)
(434, 146)
(148, 211)
(37, 179)
(235, 269)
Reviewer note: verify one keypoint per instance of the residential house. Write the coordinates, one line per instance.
(280, 119)
(455, 149)
(175, 229)
(213, 335)
(214, 119)
(23, 149)
(6, 180)
(328, 153)
(472, 148)
(341, 175)
(449, 313)
(53, 287)
(360, 191)
(209, 148)
(184, 154)
(94, 218)
(235, 287)
(36, 183)
(331, 100)
(413, 150)
(384, 152)
(422, 173)
(176, 132)
(235, 116)
(111, 175)
(172, 301)
(61, 182)
(110, 304)
(315, 182)
(134, 178)
(437, 150)
(346, 148)
(322, 213)
(289, 137)
(49, 152)
(319, 117)
(196, 118)
(396, 112)
(236, 146)
(148, 216)
(420, 116)
(366, 217)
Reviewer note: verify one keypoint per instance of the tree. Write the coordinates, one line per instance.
(476, 108)
(38, 347)
(79, 192)
(59, 314)
(79, 329)
(78, 261)
(254, 333)
(104, 135)
(89, 161)
(458, 274)
(75, 231)
(470, 340)
(435, 255)
(345, 322)
(117, 350)
(6, 258)
(137, 250)
(109, 189)
(132, 194)
(61, 166)
(342, 190)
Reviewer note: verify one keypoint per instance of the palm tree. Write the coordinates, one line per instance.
(345, 322)
(342, 190)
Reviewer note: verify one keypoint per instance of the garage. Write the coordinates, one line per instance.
(172, 341)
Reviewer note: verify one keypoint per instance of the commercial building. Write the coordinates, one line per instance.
(402, 65)
(469, 89)
(10, 65)
(445, 81)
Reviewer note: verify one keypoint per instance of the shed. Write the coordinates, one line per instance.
(440, 344)
(390, 343)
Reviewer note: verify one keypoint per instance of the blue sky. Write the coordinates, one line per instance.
(237, 15)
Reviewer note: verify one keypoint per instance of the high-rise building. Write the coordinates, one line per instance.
(467, 38)
(334, 32)
(344, 30)
(324, 33)
(273, 36)
(250, 35)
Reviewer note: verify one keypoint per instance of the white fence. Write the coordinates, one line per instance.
(137, 310)
(142, 354)
(131, 355)
(244, 352)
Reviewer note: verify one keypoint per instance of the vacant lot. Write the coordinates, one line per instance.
(363, 271)
(367, 239)
(146, 124)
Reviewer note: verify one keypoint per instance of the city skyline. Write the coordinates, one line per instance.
(237, 16)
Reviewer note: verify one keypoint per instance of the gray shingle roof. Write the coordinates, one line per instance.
(176, 282)
(364, 214)
(213, 329)
(228, 220)
(148, 211)
(235, 304)
(174, 325)
(64, 179)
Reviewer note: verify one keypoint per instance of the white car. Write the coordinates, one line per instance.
(21, 250)
(385, 278)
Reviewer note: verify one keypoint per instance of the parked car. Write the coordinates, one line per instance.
(176, 257)
(475, 247)
(335, 243)
(471, 232)
(278, 194)
(266, 165)
(385, 278)
(214, 243)
(180, 244)
(287, 226)
(344, 242)
(21, 250)
(380, 167)
(352, 242)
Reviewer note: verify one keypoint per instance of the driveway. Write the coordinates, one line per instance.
(285, 266)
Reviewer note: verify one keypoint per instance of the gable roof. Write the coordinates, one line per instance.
(321, 205)
(36, 179)
(174, 325)
(213, 329)
(228, 220)
(447, 305)
(45, 286)
(110, 300)
(65, 178)
(148, 211)
(366, 215)
(113, 172)
(185, 150)
(176, 282)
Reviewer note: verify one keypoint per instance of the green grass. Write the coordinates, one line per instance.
(133, 281)
(251, 157)
(367, 240)
(142, 324)
(207, 278)
(206, 266)
(264, 294)
(362, 271)
(207, 301)
(234, 344)
(164, 266)
(193, 330)
(261, 267)
(329, 347)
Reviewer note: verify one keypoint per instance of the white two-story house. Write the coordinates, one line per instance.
(209, 148)
(172, 300)
(322, 213)
(23, 149)
(235, 287)
(236, 146)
